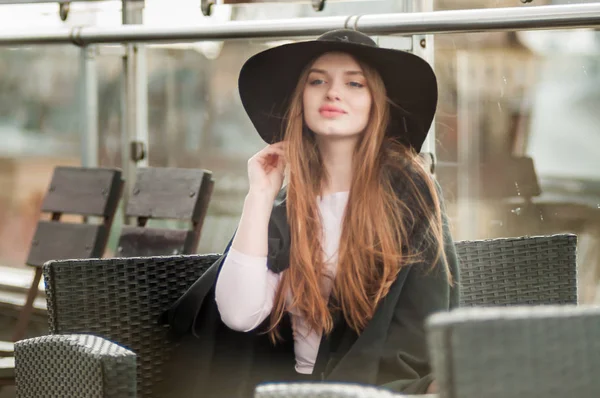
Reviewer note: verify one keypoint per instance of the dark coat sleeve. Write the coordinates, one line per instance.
(182, 315)
(404, 365)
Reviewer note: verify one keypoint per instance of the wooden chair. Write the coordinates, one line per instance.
(510, 177)
(166, 193)
(79, 191)
(511, 184)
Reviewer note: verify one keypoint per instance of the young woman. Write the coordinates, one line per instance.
(332, 276)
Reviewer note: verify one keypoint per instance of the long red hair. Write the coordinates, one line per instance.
(376, 227)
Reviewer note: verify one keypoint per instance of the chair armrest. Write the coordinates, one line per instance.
(74, 366)
(529, 351)
(321, 390)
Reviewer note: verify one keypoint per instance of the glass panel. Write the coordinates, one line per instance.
(517, 123)
(196, 120)
(39, 129)
(40, 126)
(518, 137)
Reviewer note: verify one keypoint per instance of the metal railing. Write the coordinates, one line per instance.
(494, 19)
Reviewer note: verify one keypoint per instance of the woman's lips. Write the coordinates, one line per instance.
(331, 111)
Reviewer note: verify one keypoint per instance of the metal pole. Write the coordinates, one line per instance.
(88, 84)
(455, 21)
(134, 102)
(422, 45)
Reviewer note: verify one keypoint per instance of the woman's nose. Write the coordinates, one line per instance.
(333, 94)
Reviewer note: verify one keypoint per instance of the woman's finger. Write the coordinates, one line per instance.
(277, 150)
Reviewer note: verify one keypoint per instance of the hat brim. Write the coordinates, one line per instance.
(268, 79)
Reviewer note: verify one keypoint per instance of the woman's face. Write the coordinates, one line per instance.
(336, 99)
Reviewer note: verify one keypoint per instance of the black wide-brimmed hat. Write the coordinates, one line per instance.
(267, 81)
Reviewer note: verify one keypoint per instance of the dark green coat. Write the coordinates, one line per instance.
(391, 351)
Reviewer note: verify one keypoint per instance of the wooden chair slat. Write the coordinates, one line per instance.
(83, 191)
(61, 241)
(144, 242)
(6, 348)
(7, 370)
(169, 193)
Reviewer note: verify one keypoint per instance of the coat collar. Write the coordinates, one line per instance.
(279, 235)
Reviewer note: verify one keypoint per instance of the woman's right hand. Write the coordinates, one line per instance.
(266, 170)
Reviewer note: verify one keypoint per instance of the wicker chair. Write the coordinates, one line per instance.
(512, 271)
(88, 367)
(120, 299)
(529, 351)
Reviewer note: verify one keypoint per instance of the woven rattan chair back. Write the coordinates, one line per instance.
(518, 271)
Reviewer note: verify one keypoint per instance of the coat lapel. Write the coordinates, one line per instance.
(356, 358)
(342, 355)
(278, 258)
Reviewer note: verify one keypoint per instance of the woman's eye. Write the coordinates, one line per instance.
(315, 82)
(356, 84)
